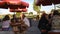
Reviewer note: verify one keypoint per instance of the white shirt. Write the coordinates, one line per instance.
(26, 21)
(6, 24)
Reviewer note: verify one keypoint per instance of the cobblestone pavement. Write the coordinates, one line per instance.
(6, 32)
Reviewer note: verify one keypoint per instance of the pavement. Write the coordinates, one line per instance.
(6, 32)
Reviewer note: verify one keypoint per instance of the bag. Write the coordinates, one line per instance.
(43, 30)
(15, 29)
(23, 26)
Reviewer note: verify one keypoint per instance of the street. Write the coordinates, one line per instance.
(6, 32)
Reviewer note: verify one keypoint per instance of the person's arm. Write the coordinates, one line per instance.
(27, 22)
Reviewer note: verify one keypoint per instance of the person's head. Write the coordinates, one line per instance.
(14, 16)
(23, 16)
(37, 17)
(43, 13)
(55, 12)
(6, 18)
(44, 16)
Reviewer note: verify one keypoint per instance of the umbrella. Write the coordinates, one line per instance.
(12, 1)
(18, 10)
(56, 1)
(14, 4)
(23, 10)
(24, 4)
(47, 2)
(20, 4)
(43, 2)
(3, 4)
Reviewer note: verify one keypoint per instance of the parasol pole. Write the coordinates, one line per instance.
(14, 12)
(54, 7)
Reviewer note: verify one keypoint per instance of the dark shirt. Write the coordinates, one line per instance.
(43, 23)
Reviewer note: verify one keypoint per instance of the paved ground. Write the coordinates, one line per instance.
(6, 32)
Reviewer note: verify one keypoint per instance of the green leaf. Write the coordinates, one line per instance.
(36, 8)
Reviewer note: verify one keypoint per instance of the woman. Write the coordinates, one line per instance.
(25, 23)
(14, 24)
(26, 20)
(43, 24)
(56, 20)
(6, 23)
(34, 27)
(50, 20)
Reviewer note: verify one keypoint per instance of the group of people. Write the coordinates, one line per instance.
(15, 23)
(49, 22)
(31, 26)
